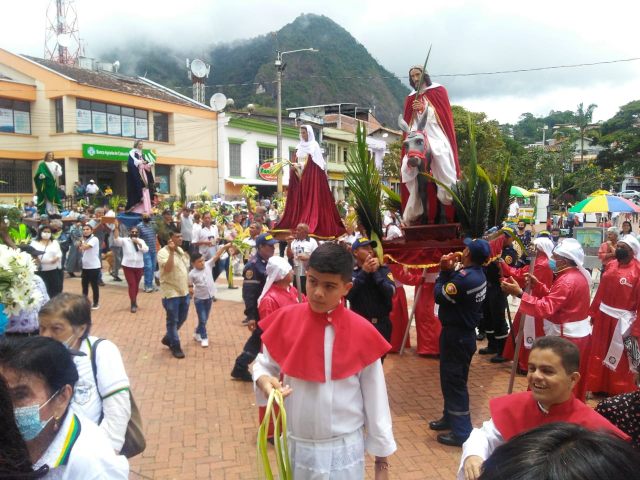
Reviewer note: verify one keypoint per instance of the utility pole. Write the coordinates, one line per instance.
(279, 70)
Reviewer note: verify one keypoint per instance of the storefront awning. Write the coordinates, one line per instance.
(254, 181)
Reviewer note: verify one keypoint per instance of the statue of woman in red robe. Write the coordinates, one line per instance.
(309, 199)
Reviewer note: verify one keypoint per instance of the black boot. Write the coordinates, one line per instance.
(176, 350)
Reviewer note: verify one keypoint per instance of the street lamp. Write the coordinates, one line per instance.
(279, 69)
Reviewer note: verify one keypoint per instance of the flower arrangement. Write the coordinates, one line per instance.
(16, 281)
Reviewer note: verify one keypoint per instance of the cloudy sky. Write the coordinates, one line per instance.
(467, 37)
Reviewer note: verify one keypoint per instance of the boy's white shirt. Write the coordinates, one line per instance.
(320, 411)
(482, 442)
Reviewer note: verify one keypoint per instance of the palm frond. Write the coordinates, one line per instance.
(391, 200)
(363, 180)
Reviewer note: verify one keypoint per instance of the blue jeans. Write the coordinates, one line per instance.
(203, 308)
(177, 309)
(149, 259)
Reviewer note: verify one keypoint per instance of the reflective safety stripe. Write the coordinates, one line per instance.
(477, 289)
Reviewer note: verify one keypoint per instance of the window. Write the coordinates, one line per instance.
(142, 124)
(331, 152)
(17, 174)
(107, 119)
(265, 154)
(345, 154)
(163, 172)
(235, 169)
(114, 120)
(59, 115)
(15, 116)
(160, 127)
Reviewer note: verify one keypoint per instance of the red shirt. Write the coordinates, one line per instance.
(520, 412)
(567, 300)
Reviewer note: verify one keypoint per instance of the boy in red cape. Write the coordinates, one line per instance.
(554, 365)
(336, 396)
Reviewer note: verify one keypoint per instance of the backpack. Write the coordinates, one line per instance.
(134, 441)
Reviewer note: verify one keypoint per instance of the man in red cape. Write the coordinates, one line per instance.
(553, 372)
(441, 136)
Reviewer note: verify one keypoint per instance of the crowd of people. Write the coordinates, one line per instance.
(323, 312)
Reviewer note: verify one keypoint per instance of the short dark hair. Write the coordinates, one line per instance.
(562, 451)
(195, 256)
(74, 308)
(42, 356)
(331, 257)
(567, 351)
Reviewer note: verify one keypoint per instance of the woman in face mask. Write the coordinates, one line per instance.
(41, 375)
(103, 398)
(613, 312)
(50, 261)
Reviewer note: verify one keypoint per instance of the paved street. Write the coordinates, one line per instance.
(199, 423)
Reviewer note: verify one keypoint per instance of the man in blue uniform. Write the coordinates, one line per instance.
(255, 276)
(460, 294)
(373, 287)
(495, 303)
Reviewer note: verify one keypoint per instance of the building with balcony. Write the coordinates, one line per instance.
(89, 117)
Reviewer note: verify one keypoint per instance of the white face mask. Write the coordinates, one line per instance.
(45, 235)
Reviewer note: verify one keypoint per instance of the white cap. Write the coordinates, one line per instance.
(91, 181)
(570, 248)
(545, 245)
(277, 269)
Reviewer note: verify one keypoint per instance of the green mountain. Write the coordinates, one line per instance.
(342, 71)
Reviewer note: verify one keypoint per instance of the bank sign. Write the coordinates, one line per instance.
(116, 154)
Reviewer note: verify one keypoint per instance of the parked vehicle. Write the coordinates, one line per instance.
(630, 194)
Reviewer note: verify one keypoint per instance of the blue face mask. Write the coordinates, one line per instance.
(552, 264)
(28, 420)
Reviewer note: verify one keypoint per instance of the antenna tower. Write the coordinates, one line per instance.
(61, 36)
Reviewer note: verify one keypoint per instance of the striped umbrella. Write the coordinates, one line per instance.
(519, 192)
(604, 203)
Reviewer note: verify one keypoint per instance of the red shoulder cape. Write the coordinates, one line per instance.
(519, 412)
(294, 336)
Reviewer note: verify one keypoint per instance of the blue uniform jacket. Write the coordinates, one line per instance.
(460, 295)
(372, 293)
(254, 277)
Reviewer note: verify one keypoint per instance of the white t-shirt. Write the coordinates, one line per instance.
(204, 234)
(186, 227)
(112, 378)
(88, 453)
(91, 256)
(131, 257)
(302, 247)
(92, 189)
(51, 259)
(204, 287)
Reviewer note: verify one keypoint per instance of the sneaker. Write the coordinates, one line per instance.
(148, 290)
(116, 278)
(176, 351)
(205, 342)
(95, 306)
(197, 337)
(155, 289)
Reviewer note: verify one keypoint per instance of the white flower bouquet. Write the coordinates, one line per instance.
(16, 281)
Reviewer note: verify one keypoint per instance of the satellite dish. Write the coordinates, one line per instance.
(64, 40)
(230, 102)
(218, 101)
(198, 68)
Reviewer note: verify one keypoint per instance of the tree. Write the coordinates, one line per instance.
(621, 137)
(583, 120)
(391, 162)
